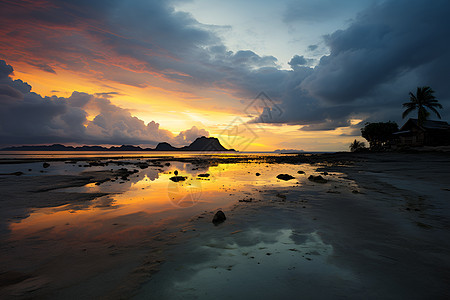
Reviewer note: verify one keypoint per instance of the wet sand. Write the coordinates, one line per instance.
(378, 229)
(387, 237)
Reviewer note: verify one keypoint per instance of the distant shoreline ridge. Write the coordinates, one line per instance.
(200, 144)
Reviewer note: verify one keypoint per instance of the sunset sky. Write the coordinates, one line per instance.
(259, 75)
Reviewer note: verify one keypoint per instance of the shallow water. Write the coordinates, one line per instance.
(150, 196)
(261, 263)
(113, 234)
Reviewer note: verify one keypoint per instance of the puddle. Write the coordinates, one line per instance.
(150, 195)
(257, 265)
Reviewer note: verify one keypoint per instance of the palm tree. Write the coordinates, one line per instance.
(422, 100)
(356, 146)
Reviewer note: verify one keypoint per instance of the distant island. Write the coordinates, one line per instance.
(288, 151)
(200, 144)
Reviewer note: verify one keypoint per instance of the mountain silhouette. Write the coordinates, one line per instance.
(205, 144)
(200, 144)
(165, 147)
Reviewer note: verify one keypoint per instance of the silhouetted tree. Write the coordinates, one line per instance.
(378, 134)
(357, 146)
(422, 100)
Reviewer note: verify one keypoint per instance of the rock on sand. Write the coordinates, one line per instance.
(317, 178)
(285, 177)
(219, 217)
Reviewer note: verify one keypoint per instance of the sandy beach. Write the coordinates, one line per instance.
(378, 228)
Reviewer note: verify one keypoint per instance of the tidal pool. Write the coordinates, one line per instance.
(150, 197)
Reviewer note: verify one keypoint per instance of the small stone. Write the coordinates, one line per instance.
(142, 165)
(317, 178)
(219, 217)
(178, 178)
(285, 177)
(246, 200)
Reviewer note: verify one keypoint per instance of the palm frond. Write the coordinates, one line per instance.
(412, 97)
(435, 111)
(406, 112)
(435, 104)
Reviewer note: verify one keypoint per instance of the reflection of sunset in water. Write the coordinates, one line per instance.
(150, 200)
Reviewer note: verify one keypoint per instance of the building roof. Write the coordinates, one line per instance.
(402, 132)
(427, 125)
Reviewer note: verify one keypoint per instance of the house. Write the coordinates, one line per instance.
(430, 133)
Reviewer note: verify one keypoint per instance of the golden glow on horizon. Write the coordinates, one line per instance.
(178, 109)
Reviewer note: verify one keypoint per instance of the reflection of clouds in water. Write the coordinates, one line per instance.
(185, 193)
(103, 202)
(200, 168)
(250, 238)
(151, 173)
(189, 168)
(253, 264)
(106, 202)
(277, 240)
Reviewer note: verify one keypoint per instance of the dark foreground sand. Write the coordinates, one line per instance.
(378, 229)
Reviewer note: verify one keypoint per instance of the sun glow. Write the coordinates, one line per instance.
(176, 110)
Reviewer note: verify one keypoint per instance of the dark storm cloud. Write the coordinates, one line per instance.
(381, 45)
(297, 61)
(10, 92)
(28, 118)
(388, 50)
(43, 67)
(251, 59)
(312, 47)
(5, 70)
